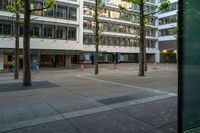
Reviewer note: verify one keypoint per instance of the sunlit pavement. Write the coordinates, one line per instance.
(74, 101)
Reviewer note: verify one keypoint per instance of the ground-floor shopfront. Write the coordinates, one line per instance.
(168, 51)
(40, 58)
(168, 56)
(118, 57)
(66, 59)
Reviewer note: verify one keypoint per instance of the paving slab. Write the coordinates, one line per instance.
(109, 122)
(157, 113)
(53, 127)
(171, 128)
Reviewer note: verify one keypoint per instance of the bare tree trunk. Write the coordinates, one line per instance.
(16, 73)
(142, 47)
(96, 39)
(27, 66)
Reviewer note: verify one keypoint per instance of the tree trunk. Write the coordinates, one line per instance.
(16, 73)
(96, 39)
(27, 66)
(142, 47)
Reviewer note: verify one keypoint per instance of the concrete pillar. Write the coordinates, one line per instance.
(157, 56)
(1, 60)
(68, 63)
(106, 58)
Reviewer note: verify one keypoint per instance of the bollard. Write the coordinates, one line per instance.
(37, 68)
(82, 67)
(115, 66)
(154, 66)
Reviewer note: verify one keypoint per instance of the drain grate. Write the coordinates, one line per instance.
(18, 86)
(125, 98)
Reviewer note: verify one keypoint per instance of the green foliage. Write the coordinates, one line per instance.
(164, 5)
(121, 7)
(11, 9)
(15, 6)
(49, 4)
(146, 20)
(99, 2)
(134, 1)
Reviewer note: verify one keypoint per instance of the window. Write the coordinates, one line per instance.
(173, 6)
(72, 33)
(48, 31)
(61, 10)
(5, 28)
(38, 5)
(3, 4)
(167, 20)
(114, 14)
(72, 13)
(60, 32)
(85, 39)
(35, 30)
(49, 12)
(167, 32)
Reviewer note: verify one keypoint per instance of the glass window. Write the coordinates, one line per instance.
(4, 4)
(49, 12)
(48, 31)
(85, 39)
(7, 29)
(114, 14)
(60, 32)
(36, 30)
(61, 10)
(1, 4)
(72, 33)
(38, 5)
(72, 13)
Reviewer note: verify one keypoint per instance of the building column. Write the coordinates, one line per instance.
(106, 58)
(68, 63)
(157, 56)
(1, 60)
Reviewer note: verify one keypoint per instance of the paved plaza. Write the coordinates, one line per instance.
(74, 101)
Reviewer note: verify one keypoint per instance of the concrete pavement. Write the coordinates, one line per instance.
(70, 101)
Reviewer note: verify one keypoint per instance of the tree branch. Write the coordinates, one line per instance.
(40, 9)
(153, 13)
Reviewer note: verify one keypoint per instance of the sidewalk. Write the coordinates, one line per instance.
(116, 101)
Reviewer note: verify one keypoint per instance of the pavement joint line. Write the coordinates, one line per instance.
(130, 86)
(70, 115)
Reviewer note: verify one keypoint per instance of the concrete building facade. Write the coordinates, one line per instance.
(167, 33)
(56, 34)
(62, 35)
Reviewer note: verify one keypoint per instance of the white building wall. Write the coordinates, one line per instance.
(80, 19)
(52, 44)
(40, 43)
